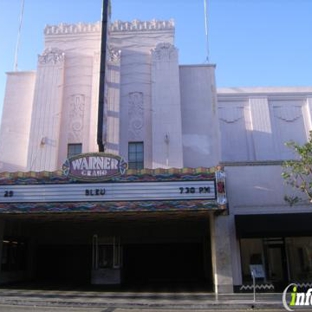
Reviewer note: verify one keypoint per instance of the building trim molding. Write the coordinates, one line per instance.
(252, 163)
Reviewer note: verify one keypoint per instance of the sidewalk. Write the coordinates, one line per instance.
(133, 299)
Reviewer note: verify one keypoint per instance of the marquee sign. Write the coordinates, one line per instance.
(94, 166)
(91, 192)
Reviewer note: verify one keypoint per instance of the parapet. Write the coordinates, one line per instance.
(116, 26)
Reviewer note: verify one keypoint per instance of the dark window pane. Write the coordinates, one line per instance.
(74, 149)
(135, 155)
(140, 157)
(139, 148)
(132, 148)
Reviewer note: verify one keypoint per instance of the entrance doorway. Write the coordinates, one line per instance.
(276, 262)
(164, 264)
(144, 249)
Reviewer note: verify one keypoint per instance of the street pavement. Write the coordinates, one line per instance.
(19, 299)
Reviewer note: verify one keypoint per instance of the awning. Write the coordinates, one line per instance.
(274, 225)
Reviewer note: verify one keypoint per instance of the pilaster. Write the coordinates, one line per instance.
(94, 104)
(262, 129)
(112, 111)
(309, 114)
(221, 254)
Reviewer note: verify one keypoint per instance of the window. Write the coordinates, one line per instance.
(299, 250)
(135, 155)
(251, 254)
(74, 149)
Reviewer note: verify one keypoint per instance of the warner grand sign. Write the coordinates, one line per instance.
(93, 166)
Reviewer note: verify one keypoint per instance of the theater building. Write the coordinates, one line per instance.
(189, 189)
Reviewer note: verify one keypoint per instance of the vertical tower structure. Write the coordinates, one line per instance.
(45, 129)
(166, 107)
(169, 109)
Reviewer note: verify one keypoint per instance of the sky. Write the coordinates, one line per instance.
(252, 42)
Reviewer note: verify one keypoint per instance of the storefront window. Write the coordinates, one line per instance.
(299, 250)
(283, 259)
(251, 254)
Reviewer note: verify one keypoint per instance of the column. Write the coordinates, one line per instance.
(221, 254)
(47, 112)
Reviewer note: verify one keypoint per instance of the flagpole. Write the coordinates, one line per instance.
(206, 30)
(18, 41)
(101, 104)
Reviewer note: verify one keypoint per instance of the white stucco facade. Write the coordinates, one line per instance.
(255, 124)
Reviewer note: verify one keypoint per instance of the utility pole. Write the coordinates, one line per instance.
(100, 129)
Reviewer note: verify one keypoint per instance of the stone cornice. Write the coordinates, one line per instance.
(272, 93)
(116, 26)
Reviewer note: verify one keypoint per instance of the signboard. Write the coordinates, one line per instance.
(175, 190)
(94, 166)
(257, 270)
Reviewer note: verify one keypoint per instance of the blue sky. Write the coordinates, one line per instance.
(252, 42)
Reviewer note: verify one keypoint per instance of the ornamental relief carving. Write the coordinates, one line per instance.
(164, 52)
(135, 116)
(76, 114)
(51, 56)
(288, 113)
(230, 114)
(113, 55)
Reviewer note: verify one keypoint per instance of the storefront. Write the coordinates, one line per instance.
(139, 227)
(279, 243)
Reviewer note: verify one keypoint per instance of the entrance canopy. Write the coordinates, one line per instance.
(159, 190)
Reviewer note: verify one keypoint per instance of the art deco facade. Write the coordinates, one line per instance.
(158, 114)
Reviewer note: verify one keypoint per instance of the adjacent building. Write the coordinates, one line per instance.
(201, 200)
